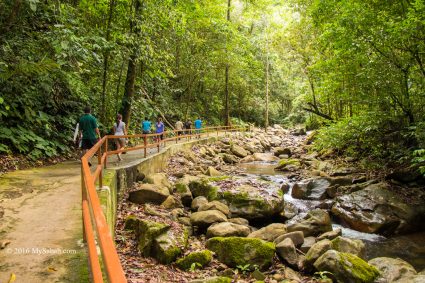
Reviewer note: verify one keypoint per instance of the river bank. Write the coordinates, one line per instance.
(289, 208)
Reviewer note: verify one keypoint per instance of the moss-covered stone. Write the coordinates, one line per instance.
(169, 246)
(285, 163)
(346, 268)
(218, 178)
(246, 202)
(131, 222)
(234, 251)
(200, 257)
(203, 187)
(147, 231)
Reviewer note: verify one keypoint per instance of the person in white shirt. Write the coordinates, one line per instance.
(179, 127)
(120, 130)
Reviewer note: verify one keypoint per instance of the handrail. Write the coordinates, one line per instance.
(92, 212)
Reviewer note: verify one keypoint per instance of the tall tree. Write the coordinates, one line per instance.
(226, 76)
(127, 98)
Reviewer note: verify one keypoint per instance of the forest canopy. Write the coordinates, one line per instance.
(355, 69)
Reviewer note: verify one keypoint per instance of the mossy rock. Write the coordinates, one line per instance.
(168, 246)
(200, 257)
(131, 223)
(346, 268)
(286, 163)
(146, 233)
(247, 202)
(234, 251)
(203, 187)
(218, 178)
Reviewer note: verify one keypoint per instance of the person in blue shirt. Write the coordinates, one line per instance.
(198, 125)
(146, 126)
(160, 128)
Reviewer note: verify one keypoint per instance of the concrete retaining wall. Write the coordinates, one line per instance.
(116, 180)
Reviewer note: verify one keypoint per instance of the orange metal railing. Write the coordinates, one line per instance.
(94, 222)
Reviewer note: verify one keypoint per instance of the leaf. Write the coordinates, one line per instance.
(12, 278)
(33, 5)
(1, 100)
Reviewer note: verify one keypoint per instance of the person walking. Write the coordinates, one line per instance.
(188, 127)
(120, 130)
(89, 131)
(198, 126)
(146, 126)
(179, 127)
(160, 129)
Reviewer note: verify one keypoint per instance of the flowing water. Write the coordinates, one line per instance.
(410, 248)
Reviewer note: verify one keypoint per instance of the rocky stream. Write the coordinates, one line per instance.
(263, 207)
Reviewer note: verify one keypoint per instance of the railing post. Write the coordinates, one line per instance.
(158, 140)
(145, 143)
(83, 198)
(99, 163)
(106, 152)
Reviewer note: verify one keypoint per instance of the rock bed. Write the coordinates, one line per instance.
(204, 193)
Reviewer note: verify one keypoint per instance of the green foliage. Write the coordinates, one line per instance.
(244, 268)
(372, 135)
(195, 266)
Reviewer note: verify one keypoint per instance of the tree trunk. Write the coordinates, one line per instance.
(266, 122)
(127, 98)
(106, 62)
(226, 80)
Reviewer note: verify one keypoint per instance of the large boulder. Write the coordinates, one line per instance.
(316, 251)
(239, 151)
(316, 222)
(203, 187)
(330, 235)
(159, 179)
(215, 205)
(204, 219)
(146, 232)
(297, 238)
(314, 189)
(230, 159)
(227, 229)
(380, 209)
(252, 203)
(172, 202)
(201, 258)
(198, 202)
(393, 269)
(270, 232)
(352, 246)
(287, 252)
(346, 268)
(158, 240)
(149, 193)
(235, 251)
(168, 246)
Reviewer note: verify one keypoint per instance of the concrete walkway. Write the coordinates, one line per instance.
(41, 228)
